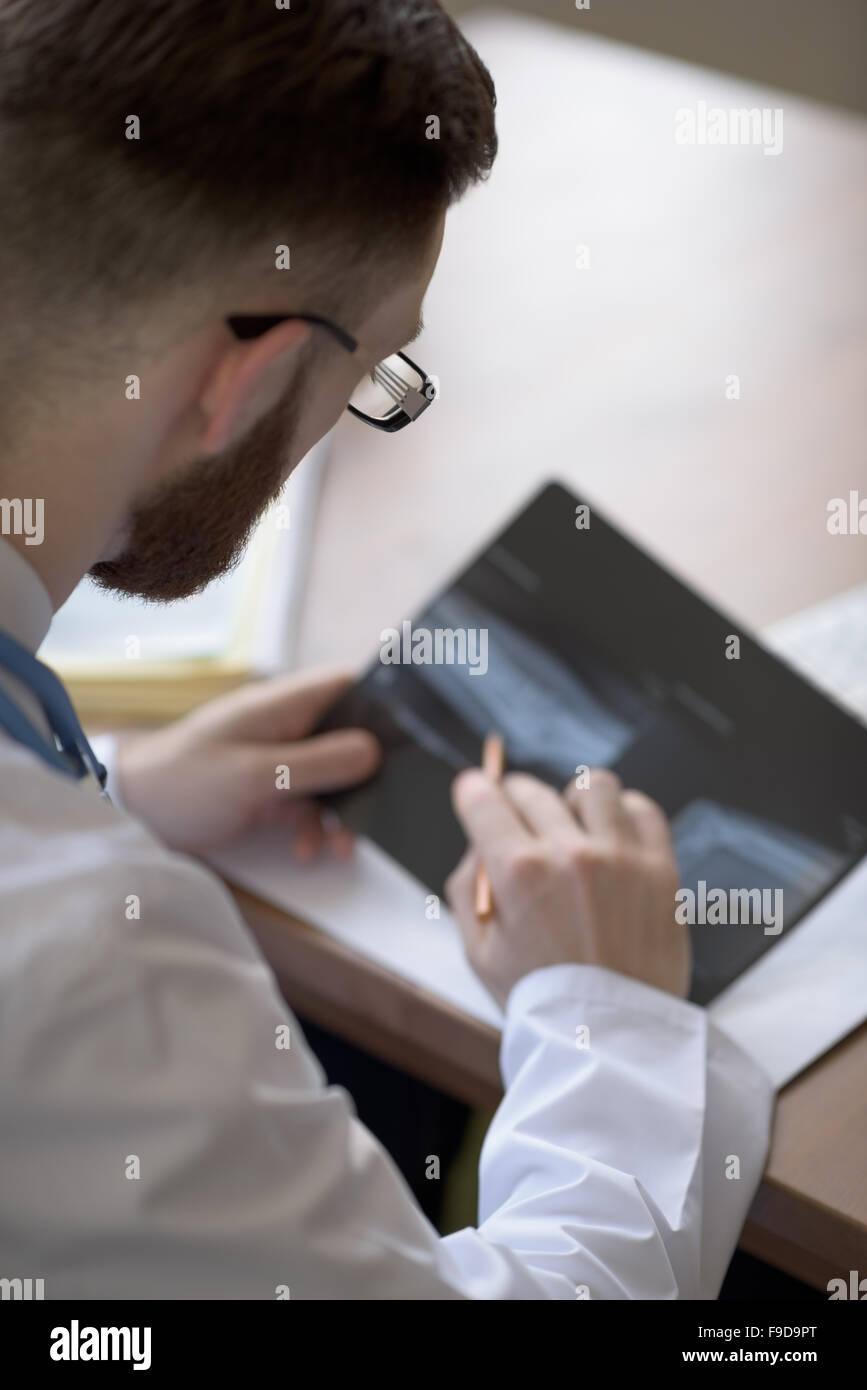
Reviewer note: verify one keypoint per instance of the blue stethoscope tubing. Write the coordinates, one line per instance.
(71, 754)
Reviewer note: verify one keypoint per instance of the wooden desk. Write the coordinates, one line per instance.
(704, 262)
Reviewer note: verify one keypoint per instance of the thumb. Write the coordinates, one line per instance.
(296, 703)
(324, 763)
(274, 708)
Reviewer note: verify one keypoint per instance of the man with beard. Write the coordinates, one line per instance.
(156, 1140)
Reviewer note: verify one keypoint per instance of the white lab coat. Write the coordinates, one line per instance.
(155, 1142)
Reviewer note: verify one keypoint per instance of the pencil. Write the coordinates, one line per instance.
(494, 764)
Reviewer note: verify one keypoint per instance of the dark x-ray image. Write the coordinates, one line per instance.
(584, 653)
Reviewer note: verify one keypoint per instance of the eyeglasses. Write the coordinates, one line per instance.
(391, 396)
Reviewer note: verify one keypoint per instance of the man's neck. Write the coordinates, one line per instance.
(60, 511)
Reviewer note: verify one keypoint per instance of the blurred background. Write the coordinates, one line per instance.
(815, 47)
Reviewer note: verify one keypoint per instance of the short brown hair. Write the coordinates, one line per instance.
(310, 123)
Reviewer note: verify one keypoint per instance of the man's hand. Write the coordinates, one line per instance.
(586, 878)
(203, 781)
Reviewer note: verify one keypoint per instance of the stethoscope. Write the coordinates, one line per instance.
(70, 753)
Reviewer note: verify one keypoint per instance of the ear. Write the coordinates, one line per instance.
(247, 380)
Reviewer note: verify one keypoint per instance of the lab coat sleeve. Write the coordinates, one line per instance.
(631, 1139)
(181, 1141)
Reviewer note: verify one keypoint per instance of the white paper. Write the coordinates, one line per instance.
(827, 643)
(371, 904)
(809, 990)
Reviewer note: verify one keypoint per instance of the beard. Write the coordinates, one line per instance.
(195, 528)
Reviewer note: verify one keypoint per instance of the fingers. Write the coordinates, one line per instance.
(320, 764)
(281, 708)
(296, 703)
(542, 808)
(608, 812)
(600, 808)
(320, 834)
(650, 821)
(488, 816)
(314, 828)
(340, 841)
(502, 820)
(309, 836)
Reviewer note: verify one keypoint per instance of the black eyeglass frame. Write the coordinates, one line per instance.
(247, 326)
